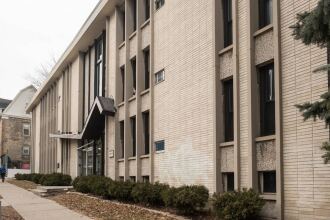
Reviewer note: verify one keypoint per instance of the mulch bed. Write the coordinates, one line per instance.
(103, 209)
(9, 213)
(23, 184)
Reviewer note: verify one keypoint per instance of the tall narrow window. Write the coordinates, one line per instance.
(228, 182)
(228, 110)
(122, 73)
(98, 81)
(146, 131)
(267, 182)
(133, 132)
(134, 14)
(265, 12)
(26, 129)
(133, 63)
(146, 53)
(147, 9)
(159, 4)
(227, 22)
(122, 137)
(267, 100)
(122, 14)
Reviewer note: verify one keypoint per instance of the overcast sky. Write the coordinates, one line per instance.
(31, 33)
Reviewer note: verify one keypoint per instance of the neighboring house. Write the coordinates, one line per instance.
(15, 131)
(3, 105)
(190, 92)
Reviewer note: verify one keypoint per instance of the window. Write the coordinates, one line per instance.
(145, 179)
(98, 82)
(122, 137)
(267, 100)
(265, 13)
(267, 182)
(133, 133)
(145, 117)
(26, 151)
(159, 3)
(121, 179)
(227, 22)
(132, 179)
(122, 73)
(26, 129)
(146, 54)
(228, 110)
(134, 8)
(228, 182)
(160, 76)
(147, 9)
(133, 64)
(160, 145)
(122, 19)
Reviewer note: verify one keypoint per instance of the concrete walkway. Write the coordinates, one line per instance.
(32, 207)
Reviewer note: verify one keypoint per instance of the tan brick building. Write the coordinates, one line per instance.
(190, 92)
(15, 131)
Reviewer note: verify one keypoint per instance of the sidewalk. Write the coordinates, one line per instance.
(32, 207)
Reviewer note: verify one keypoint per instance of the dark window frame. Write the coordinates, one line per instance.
(266, 84)
(122, 73)
(146, 10)
(145, 179)
(228, 101)
(133, 135)
(229, 185)
(146, 56)
(133, 65)
(122, 137)
(134, 16)
(227, 23)
(146, 131)
(159, 73)
(160, 145)
(267, 182)
(265, 13)
(159, 4)
(99, 66)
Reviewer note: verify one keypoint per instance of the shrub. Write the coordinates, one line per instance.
(149, 194)
(55, 179)
(168, 196)
(189, 199)
(33, 177)
(241, 205)
(81, 184)
(121, 190)
(99, 186)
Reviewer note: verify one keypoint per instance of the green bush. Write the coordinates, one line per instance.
(96, 185)
(189, 199)
(55, 179)
(33, 177)
(81, 184)
(121, 190)
(99, 186)
(242, 205)
(168, 196)
(149, 194)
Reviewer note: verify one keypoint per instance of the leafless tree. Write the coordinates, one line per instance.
(41, 73)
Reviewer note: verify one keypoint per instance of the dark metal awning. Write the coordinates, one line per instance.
(95, 121)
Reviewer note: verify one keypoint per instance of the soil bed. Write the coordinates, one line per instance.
(104, 209)
(9, 213)
(23, 184)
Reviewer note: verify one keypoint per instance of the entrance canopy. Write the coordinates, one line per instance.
(95, 121)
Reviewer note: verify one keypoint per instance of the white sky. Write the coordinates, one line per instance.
(31, 33)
